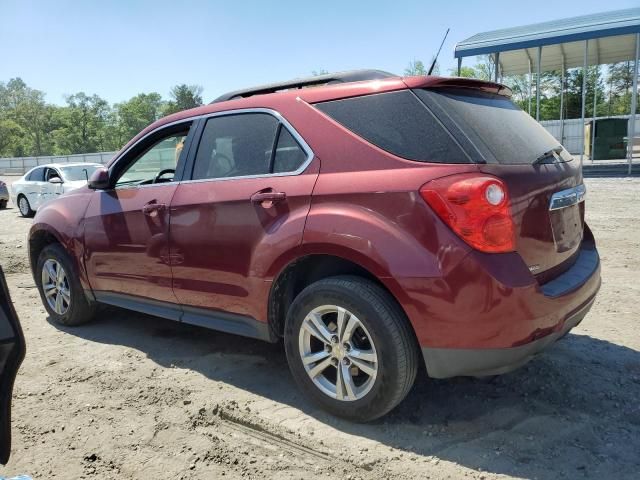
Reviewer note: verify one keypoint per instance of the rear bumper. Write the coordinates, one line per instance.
(489, 314)
(451, 362)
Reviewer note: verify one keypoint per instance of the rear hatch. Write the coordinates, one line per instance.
(543, 180)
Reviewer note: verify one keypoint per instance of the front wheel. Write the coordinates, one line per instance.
(60, 289)
(350, 347)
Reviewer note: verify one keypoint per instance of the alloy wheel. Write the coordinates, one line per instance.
(23, 205)
(55, 286)
(338, 353)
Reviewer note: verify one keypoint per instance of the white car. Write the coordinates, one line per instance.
(45, 182)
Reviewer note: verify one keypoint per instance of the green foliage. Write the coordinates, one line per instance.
(482, 70)
(87, 123)
(613, 90)
(416, 67)
(183, 97)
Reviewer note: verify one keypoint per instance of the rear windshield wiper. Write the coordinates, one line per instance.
(548, 154)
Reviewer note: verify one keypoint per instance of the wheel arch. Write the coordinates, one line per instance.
(308, 268)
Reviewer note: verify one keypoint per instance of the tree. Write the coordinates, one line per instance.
(83, 125)
(26, 107)
(138, 112)
(483, 70)
(416, 67)
(183, 97)
(317, 73)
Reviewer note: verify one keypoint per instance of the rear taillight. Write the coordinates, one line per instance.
(476, 207)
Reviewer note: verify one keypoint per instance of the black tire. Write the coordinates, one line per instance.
(79, 309)
(3, 204)
(390, 332)
(25, 208)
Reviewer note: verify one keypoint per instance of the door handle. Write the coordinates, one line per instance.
(152, 208)
(267, 198)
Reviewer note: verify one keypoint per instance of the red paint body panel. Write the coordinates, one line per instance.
(125, 250)
(212, 248)
(224, 246)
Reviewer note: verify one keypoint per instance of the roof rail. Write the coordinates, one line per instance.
(329, 78)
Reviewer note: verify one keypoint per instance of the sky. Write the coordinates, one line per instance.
(119, 48)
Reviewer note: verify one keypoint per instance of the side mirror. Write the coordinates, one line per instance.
(56, 180)
(99, 179)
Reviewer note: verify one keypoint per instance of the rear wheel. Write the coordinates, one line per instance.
(60, 289)
(350, 347)
(25, 207)
(3, 204)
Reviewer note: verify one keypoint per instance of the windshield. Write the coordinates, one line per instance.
(495, 125)
(77, 172)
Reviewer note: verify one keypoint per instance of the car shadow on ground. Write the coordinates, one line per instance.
(571, 412)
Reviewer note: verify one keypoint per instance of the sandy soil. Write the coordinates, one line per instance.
(133, 396)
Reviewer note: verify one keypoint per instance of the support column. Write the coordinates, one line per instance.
(634, 103)
(584, 98)
(459, 65)
(530, 82)
(593, 121)
(538, 83)
(497, 67)
(595, 100)
(562, 99)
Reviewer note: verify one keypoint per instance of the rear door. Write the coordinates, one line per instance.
(33, 187)
(536, 169)
(246, 203)
(12, 350)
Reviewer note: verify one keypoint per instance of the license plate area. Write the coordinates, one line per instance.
(567, 227)
(566, 211)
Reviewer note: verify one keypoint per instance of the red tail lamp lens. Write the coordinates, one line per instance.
(476, 207)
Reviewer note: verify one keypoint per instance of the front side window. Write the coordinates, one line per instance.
(157, 164)
(235, 146)
(52, 173)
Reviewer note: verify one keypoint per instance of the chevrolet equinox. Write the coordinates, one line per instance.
(368, 221)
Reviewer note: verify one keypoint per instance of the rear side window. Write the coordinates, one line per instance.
(235, 146)
(494, 124)
(36, 175)
(399, 123)
(289, 156)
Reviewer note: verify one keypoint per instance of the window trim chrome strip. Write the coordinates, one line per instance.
(567, 198)
(277, 115)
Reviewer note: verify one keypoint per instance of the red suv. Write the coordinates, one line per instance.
(372, 222)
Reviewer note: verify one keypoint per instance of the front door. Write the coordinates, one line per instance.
(248, 199)
(126, 226)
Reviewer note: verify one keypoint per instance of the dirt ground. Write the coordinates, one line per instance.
(133, 396)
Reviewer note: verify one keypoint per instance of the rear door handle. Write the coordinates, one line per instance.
(152, 208)
(267, 198)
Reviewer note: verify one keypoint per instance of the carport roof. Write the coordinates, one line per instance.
(612, 35)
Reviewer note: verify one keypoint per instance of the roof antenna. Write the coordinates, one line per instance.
(435, 59)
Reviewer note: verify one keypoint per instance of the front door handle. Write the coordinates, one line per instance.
(152, 208)
(267, 198)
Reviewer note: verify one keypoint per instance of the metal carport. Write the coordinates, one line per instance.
(596, 39)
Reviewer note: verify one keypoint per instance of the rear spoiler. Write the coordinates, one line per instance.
(457, 82)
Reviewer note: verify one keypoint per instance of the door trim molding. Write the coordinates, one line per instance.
(211, 319)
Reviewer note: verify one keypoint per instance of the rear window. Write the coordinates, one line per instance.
(399, 123)
(494, 124)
